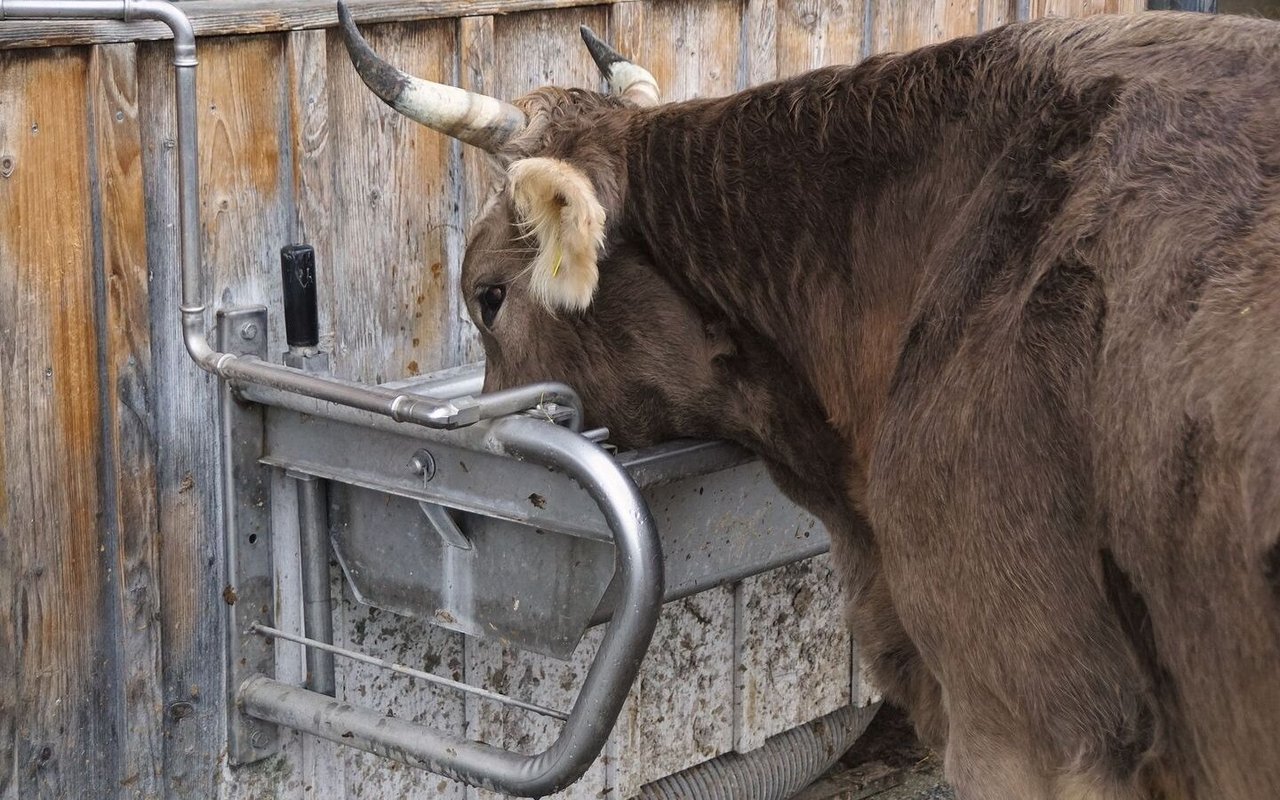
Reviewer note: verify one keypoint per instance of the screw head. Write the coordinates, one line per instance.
(249, 331)
(423, 464)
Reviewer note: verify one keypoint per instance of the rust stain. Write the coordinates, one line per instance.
(229, 595)
(412, 366)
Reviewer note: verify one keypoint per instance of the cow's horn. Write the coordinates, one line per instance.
(474, 118)
(629, 80)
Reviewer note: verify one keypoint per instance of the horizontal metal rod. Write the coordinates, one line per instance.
(354, 655)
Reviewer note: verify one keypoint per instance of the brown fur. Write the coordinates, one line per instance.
(1005, 313)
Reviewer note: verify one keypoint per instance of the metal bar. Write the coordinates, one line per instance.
(250, 569)
(356, 655)
(317, 609)
(638, 565)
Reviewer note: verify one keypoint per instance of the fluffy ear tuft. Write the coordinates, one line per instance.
(557, 205)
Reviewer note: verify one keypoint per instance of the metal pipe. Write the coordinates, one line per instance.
(638, 559)
(247, 369)
(391, 666)
(317, 608)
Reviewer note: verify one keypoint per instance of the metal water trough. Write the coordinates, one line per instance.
(489, 514)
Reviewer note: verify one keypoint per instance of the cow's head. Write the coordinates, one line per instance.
(557, 287)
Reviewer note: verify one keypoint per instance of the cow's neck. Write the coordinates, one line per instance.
(803, 211)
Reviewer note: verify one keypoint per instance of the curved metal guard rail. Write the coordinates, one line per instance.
(638, 559)
(429, 412)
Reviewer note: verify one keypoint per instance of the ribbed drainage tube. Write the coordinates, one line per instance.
(784, 765)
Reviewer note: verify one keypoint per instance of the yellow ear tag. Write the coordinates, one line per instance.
(555, 270)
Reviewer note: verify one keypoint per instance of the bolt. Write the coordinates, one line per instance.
(249, 331)
(423, 464)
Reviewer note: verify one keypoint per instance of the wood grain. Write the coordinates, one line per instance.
(815, 33)
(55, 595)
(232, 17)
(130, 462)
(899, 27)
(543, 48)
(307, 94)
(184, 423)
(760, 43)
(994, 13)
(692, 49)
(390, 210)
(1083, 8)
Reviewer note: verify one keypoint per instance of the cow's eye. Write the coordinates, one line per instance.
(490, 301)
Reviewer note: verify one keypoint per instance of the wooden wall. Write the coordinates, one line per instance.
(111, 679)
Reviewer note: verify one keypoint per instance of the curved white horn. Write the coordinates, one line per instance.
(476, 119)
(626, 79)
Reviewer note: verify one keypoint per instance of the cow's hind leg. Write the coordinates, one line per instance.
(983, 766)
(986, 766)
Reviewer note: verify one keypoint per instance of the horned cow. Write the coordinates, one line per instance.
(1004, 312)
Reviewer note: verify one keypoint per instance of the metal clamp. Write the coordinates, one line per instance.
(640, 577)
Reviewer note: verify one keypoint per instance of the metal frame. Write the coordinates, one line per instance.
(249, 597)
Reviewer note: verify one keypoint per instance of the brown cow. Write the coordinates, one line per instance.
(1004, 312)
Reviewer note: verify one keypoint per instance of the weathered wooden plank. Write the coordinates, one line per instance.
(904, 26)
(184, 409)
(1083, 8)
(390, 212)
(543, 48)
(784, 681)
(1070, 8)
(814, 33)
(307, 94)
(692, 49)
(231, 17)
(59, 590)
(760, 44)
(130, 461)
(994, 13)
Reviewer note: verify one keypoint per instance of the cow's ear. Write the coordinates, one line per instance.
(558, 207)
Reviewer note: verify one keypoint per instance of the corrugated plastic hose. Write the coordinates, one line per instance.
(784, 765)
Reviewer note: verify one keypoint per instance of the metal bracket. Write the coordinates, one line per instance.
(250, 584)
